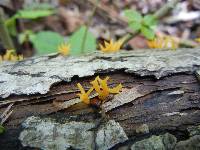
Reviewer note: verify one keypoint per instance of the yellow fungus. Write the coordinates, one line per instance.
(64, 49)
(163, 42)
(13, 58)
(20, 57)
(10, 55)
(197, 39)
(84, 96)
(111, 46)
(101, 87)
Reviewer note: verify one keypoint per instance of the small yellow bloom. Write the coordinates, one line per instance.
(111, 46)
(64, 49)
(198, 40)
(163, 42)
(101, 87)
(84, 96)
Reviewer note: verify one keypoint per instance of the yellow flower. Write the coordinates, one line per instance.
(84, 96)
(198, 40)
(64, 49)
(111, 46)
(163, 42)
(101, 87)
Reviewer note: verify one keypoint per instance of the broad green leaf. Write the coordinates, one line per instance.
(47, 42)
(33, 14)
(2, 129)
(26, 14)
(135, 26)
(148, 33)
(76, 40)
(133, 15)
(149, 20)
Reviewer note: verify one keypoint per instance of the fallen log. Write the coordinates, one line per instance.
(160, 101)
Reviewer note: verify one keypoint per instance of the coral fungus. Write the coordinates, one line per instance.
(163, 42)
(111, 46)
(101, 88)
(64, 49)
(11, 56)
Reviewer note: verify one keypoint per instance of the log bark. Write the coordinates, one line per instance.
(161, 92)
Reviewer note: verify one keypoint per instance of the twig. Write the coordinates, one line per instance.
(88, 25)
(188, 43)
(165, 9)
(158, 14)
(6, 114)
(4, 35)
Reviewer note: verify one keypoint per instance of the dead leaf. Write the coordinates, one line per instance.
(71, 18)
(138, 42)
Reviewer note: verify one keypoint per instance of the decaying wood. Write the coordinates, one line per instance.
(39, 74)
(160, 90)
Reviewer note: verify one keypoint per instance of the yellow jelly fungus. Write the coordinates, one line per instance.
(20, 57)
(111, 46)
(101, 87)
(163, 42)
(11, 56)
(198, 40)
(84, 96)
(8, 54)
(64, 49)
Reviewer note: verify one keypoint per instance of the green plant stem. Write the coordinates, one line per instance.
(158, 14)
(88, 25)
(165, 9)
(4, 34)
(129, 36)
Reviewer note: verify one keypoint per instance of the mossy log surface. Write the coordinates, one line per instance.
(161, 93)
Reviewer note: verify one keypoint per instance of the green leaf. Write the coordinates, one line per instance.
(149, 20)
(148, 33)
(11, 25)
(76, 40)
(135, 26)
(2, 129)
(47, 42)
(133, 15)
(38, 5)
(26, 35)
(33, 14)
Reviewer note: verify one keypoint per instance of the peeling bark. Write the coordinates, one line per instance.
(36, 75)
(161, 91)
